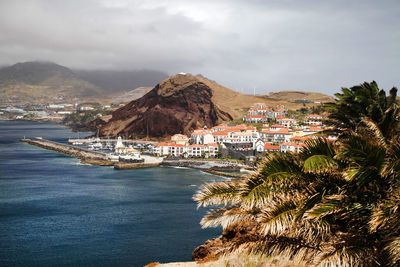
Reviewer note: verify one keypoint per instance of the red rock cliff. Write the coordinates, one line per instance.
(178, 104)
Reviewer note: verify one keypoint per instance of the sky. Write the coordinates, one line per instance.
(266, 46)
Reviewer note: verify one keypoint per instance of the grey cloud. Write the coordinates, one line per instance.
(270, 45)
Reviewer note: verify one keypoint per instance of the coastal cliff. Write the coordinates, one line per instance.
(178, 104)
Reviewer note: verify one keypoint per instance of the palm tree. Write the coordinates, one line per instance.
(364, 100)
(332, 204)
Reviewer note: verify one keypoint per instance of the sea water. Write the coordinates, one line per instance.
(55, 211)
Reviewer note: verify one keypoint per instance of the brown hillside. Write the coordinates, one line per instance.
(235, 103)
(178, 104)
(184, 102)
(292, 96)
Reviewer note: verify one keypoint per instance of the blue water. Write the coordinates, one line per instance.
(56, 212)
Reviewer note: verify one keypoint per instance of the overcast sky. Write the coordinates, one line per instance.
(268, 45)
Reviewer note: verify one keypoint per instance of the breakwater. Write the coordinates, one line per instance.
(77, 152)
(90, 157)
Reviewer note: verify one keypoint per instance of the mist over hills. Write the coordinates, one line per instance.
(117, 81)
(39, 79)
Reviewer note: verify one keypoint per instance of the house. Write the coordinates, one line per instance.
(255, 118)
(180, 150)
(271, 148)
(202, 137)
(313, 119)
(180, 139)
(286, 122)
(207, 151)
(312, 130)
(259, 145)
(220, 136)
(246, 136)
(275, 135)
(290, 147)
(169, 149)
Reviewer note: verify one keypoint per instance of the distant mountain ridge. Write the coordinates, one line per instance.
(34, 72)
(292, 96)
(38, 79)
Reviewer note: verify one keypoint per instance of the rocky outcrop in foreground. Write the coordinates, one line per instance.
(213, 249)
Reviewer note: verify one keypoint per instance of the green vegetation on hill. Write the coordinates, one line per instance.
(89, 120)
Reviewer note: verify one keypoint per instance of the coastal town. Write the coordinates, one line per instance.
(264, 129)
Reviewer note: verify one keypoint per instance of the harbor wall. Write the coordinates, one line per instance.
(67, 149)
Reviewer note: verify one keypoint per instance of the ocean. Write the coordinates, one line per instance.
(55, 211)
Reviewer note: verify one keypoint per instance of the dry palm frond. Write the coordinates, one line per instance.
(393, 249)
(346, 256)
(278, 217)
(217, 194)
(257, 191)
(373, 129)
(229, 216)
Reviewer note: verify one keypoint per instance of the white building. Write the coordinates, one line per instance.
(313, 119)
(180, 139)
(255, 118)
(202, 137)
(286, 122)
(179, 150)
(275, 135)
(291, 147)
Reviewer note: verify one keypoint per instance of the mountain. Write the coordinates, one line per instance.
(37, 80)
(31, 80)
(178, 104)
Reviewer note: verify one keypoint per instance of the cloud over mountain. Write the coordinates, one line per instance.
(271, 45)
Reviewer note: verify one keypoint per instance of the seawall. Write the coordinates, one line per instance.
(86, 156)
(67, 149)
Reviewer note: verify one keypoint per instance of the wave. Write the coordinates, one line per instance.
(179, 167)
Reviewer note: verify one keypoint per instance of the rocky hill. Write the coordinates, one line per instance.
(178, 104)
(185, 102)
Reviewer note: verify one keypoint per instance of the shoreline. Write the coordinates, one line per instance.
(89, 157)
(223, 168)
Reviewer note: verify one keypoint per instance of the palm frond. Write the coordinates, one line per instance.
(393, 248)
(319, 163)
(279, 216)
(220, 193)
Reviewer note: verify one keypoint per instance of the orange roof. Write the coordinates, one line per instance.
(281, 117)
(212, 144)
(271, 147)
(313, 115)
(169, 144)
(255, 116)
(293, 144)
(301, 138)
(315, 129)
(277, 126)
(221, 133)
(280, 131)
